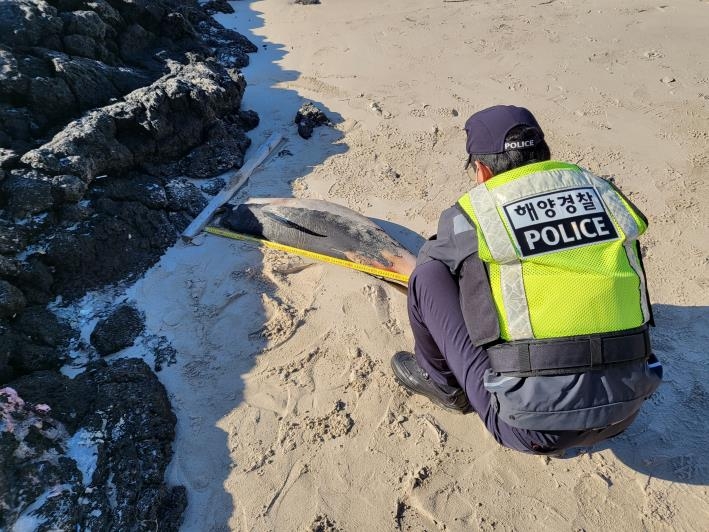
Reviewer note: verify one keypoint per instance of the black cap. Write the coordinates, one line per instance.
(488, 128)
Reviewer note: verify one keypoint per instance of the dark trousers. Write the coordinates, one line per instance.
(443, 349)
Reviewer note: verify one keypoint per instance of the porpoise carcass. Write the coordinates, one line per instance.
(321, 227)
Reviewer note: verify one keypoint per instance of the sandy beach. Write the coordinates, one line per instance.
(288, 415)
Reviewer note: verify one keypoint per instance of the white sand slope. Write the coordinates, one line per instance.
(288, 416)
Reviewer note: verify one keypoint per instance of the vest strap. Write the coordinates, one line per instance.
(500, 246)
(494, 232)
(564, 356)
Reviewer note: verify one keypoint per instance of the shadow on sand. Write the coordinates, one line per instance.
(217, 319)
(670, 436)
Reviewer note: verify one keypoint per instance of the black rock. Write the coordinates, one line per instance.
(119, 239)
(309, 117)
(71, 213)
(9, 268)
(134, 41)
(139, 424)
(17, 127)
(7, 348)
(141, 188)
(232, 56)
(26, 193)
(28, 23)
(13, 84)
(87, 23)
(13, 238)
(29, 357)
(68, 188)
(108, 13)
(177, 26)
(184, 196)
(170, 106)
(218, 36)
(83, 46)
(12, 300)
(305, 129)
(8, 158)
(43, 327)
(28, 474)
(93, 83)
(117, 331)
(35, 280)
(69, 399)
(307, 2)
(248, 119)
(223, 150)
(213, 186)
(308, 111)
(161, 121)
(51, 99)
(118, 417)
(218, 6)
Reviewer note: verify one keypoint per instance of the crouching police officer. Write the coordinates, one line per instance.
(529, 307)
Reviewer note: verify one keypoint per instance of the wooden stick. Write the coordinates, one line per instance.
(237, 179)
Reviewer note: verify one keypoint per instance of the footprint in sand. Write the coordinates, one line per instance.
(382, 306)
(282, 322)
(323, 523)
(315, 430)
(361, 367)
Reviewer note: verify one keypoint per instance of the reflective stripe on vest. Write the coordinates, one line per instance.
(485, 204)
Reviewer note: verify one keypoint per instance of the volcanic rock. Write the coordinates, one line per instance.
(8, 158)
(13, 238)
(43, 327)
(123, 238)
(218, 6)
(309, 117)
(12, 300)
(144, 189)
(35, 280)
(68, 188)
(29, 357)
(153, 94)
(103, 438)
(158, 122)
(9, 268)
(26, 193)
(222, 150)
(184, 196)
(29, 23)
(118, 331)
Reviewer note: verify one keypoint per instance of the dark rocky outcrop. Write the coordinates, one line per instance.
(61, 58)
(309, 117)
(108, 109)
(158, 122)
(34, 341)
(99, 444)
(218, 6)
(186, 121)
(118, 330)
(120, 238)
(12, 300)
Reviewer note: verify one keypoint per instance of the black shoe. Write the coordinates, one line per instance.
(413, 378)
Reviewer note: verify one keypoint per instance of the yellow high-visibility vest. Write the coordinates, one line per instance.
(560, 246)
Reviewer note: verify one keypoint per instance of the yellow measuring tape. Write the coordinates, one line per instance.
(377, 272)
